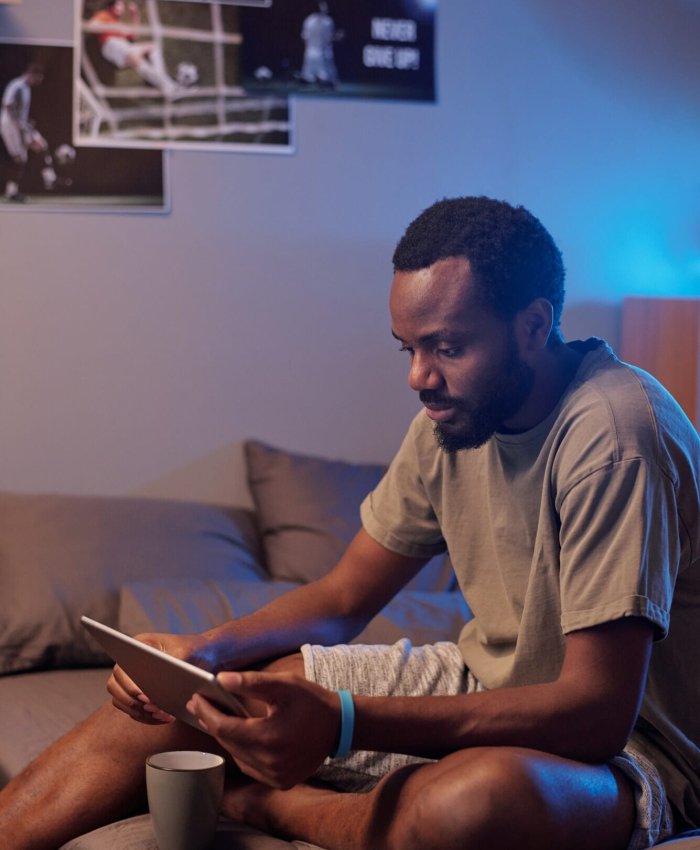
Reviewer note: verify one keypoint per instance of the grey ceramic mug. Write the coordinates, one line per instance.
(185, 788)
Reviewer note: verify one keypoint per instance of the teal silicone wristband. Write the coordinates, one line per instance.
(347, 724)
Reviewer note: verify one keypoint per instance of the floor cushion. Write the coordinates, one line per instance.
(136, 834)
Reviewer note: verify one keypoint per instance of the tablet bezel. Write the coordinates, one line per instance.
(168, 682)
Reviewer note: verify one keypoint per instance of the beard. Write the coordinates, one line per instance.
(498, 398)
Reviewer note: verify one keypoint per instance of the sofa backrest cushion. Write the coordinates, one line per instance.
(63, 556)
(187, 605)
(308, 511)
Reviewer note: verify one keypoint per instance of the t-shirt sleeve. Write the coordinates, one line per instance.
(11, 98)
(399, 513)
(620, 546)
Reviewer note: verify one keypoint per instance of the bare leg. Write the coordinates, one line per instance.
(14, 171)
(148, 63)
(93, 775)
(498, 798)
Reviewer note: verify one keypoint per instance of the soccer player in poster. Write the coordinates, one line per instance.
(119, 46)
(16, 129)
(319, 33)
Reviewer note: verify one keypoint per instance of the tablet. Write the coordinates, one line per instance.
(167, 681)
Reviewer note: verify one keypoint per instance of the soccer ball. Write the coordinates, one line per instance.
(65, 154)
(48, 175)
(187, 74)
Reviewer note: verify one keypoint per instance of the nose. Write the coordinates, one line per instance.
(424, 374)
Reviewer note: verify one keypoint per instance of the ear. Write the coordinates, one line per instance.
(534, 325)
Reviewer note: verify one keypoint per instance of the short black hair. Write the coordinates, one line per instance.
(512, 256)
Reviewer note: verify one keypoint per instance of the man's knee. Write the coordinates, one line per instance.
(502, 797)
(483, 797)
(468, 799)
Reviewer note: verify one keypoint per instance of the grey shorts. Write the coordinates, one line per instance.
(438, 669)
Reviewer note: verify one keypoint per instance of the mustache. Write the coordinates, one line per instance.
(433, 397)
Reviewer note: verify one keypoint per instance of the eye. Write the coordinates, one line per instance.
(407, 348)
(450, 352)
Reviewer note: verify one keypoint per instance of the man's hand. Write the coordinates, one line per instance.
(297, 729)
(35, 141)
(129, 698)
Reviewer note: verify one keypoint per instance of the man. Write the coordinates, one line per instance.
(565, 486)
(18, 133)
(118, 45)
(318, 34)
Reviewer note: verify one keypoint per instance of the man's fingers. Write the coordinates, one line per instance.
(210, 717)
(265, 686)
(128, 697)
(121, 685)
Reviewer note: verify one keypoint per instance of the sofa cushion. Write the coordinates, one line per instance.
(308, 511)
(63, 556)
(38, 707)
(187, 605)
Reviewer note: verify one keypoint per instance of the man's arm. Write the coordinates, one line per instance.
(331, 610)
(587, 714)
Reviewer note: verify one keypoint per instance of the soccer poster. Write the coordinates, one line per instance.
(40, 167)
(341, 48)
(166, 74)
(232, 2)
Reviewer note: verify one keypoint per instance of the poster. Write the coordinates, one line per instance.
(55, 174)
(341, 48)
(231, 2)
(166, 74)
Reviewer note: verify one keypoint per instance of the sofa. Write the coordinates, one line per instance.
(146, 564)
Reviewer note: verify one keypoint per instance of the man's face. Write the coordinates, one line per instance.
(118, 8)
(465, 363)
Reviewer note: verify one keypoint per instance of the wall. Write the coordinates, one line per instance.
(258, 306)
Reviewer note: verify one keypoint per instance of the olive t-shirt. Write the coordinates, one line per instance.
(590, 516)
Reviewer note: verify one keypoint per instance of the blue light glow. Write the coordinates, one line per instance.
(426, 5)
(642, 241)
(651, 268)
